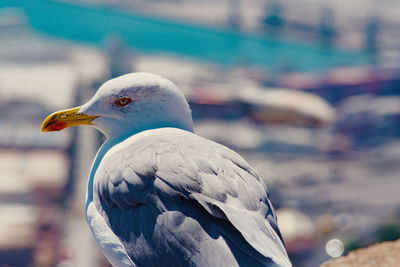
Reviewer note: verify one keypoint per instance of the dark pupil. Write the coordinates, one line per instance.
(123, 101)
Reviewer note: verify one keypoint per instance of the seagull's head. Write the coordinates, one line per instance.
(126, 105)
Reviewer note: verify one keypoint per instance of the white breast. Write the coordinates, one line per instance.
(108, 242)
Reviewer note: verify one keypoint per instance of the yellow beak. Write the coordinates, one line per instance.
(66, 118)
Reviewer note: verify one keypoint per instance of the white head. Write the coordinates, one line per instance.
(126, 105)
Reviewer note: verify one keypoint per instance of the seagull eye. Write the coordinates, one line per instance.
(123, 101)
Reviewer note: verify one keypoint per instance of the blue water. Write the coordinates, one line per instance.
(151, 35)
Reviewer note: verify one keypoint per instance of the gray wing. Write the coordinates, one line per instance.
(174, 198)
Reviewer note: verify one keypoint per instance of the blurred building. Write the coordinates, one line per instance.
(37, 171)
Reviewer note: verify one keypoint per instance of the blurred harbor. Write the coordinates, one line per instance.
(307, 92)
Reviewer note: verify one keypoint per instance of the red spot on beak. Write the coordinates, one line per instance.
(56, 126)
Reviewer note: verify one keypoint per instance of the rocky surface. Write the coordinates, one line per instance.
(385, 254)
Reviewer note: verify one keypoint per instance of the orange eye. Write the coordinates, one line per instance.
(123, 101)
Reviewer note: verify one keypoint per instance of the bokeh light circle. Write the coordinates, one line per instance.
(334, 248)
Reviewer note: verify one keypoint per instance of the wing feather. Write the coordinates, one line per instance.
(199, 192)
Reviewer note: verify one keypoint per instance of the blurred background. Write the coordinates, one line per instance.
(308, 91)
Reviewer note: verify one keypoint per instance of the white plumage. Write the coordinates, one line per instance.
(159, 195)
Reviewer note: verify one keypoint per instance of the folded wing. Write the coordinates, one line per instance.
(169, 192)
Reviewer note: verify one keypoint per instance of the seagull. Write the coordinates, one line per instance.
(160, 195)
